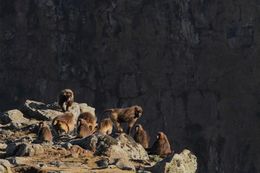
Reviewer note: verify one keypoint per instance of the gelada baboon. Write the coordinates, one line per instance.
(84, 129)
(127, 115)
(44, 132)
(64, 123)
(65, 99)
(105, 126)
(141, 136)
(91, 120)
(161, 146)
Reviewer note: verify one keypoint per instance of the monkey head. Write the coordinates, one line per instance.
(138, 111)
(68, 94)
(160, 135)
(138, 127)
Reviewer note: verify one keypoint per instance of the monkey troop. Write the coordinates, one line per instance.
(85, 124)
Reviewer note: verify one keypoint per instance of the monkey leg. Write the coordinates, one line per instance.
(118, 127)
(130, 126)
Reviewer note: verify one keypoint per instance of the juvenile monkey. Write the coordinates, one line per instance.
(141, 136)
(106, 126)
(84, 129)
(127, 115)
(64, 123)
(44, 132)
(91, 120)
(161, 146)
(65, 99)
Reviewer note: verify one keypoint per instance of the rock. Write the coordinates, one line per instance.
(15, 117)
(77, 151)
(24, 149)
(103, 163)
(122, 147)
(125, 164)
(84, 107)
(5, 166)
(135, 151)
(96, 142)
(18, 160)
(56, 163)
(185, 162)
(38, 110)
(10, 149)
(3, 146)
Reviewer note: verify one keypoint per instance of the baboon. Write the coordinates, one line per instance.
(44, 132)
(84, 129)
(141, 136)
(127, 115)
(161, 146)
(105, 126)
(65, 99)
(64, 123)
(90, 119)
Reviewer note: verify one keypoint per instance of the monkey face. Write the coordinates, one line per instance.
(138, 111)
(160, 135)
(138, 127)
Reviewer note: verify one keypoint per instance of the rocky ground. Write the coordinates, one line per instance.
(21, 151)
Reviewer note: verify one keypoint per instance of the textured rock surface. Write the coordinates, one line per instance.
(193, 65)
(15, 117)
(185, 162)
(38, 110)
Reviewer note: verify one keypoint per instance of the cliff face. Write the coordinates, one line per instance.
(193, 65)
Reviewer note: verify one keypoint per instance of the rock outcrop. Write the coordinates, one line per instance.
(193, 65)
(185, 162)
(20, 147)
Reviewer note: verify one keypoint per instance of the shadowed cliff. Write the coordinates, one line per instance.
(192, 65)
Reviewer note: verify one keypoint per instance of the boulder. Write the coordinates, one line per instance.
(39, 111)
(125, 164)
(134, 150)
(24, 149)
(123, 146)
(84, 107)
(185, 162)
(14, 117)
(5, 166)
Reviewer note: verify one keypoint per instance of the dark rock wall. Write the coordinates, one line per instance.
(192, 64)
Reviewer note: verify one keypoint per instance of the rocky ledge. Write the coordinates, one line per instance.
(20, 150)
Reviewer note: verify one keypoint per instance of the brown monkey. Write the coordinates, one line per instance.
(64, 123)
(141, 136)
(44, 132)
(84, 129)
(106, 126)
(127, 115)
(65, 99)
(161, 146)
(90, 119)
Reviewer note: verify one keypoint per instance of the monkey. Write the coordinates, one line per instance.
(44, 133)
(141, 136)
(127, 115)
(64, 123)
(91, 120)
(65, 99)
(161, 146)
(84, 129)
(106, 126)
